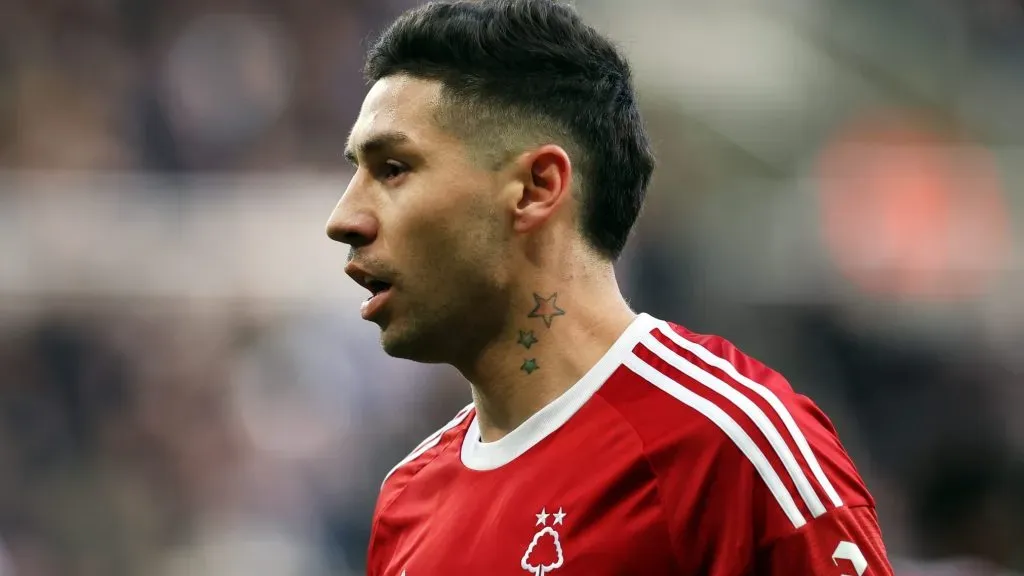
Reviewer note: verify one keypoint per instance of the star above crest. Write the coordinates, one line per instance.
(559, 517)
(542, 518)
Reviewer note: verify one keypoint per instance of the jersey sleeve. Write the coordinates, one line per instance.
(846, 541)
(752, 475)
(384, 533)
(740, 524)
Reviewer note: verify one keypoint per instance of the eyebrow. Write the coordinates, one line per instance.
(375, 145)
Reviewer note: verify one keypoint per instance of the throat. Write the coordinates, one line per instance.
(504, 407)
(538, 363)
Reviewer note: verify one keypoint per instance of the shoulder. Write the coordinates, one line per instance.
(705, 410)
(424, 453)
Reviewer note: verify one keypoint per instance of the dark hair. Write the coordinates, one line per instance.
(535, 61)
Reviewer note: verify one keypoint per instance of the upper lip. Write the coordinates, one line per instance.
(366, 279)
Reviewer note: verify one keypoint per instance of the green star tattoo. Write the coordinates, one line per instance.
(527, 339)
(530, 366)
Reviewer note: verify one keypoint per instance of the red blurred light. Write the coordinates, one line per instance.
(908, 212)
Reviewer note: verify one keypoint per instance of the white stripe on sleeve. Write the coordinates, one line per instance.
(751, 410)
(729, 426)
(431, 441)
(769, 397)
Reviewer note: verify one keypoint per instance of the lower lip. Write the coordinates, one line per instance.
(371, 307)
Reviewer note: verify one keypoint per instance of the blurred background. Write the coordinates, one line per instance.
(186, 386)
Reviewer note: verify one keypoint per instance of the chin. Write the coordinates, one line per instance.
(408, 345)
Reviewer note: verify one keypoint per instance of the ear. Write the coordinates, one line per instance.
(547, 181)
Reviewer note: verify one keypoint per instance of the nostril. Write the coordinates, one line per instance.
(354, 239)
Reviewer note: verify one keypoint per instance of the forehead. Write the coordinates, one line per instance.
(399, 104)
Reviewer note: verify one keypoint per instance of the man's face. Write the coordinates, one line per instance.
(425, 222)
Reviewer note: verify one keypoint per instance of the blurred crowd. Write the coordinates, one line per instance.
(181, 429)
(181, 86)
(185, 440)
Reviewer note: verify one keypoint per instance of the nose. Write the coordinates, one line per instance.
(353, 221)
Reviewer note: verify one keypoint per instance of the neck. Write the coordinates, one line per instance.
(557, 330)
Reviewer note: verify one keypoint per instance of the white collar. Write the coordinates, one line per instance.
(477, 455)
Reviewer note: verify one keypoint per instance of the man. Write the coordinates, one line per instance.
(500, 164)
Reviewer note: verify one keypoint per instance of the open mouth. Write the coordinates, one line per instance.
(377, 287)
(379, 292)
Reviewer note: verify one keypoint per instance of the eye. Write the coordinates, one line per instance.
(392, 169)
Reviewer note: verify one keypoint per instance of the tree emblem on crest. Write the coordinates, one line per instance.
(544, 553)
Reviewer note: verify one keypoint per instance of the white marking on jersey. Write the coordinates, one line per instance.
(798, 437)
(751, 410)
(849, 551)
(431, 441)
(731, 428)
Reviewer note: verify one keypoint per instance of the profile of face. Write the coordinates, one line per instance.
(428, 233)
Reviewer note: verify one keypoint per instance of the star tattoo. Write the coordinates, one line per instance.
(527, 339)
(530, 366)
(546, 308)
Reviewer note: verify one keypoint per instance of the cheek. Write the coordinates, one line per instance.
(429, 244)
(483, 247)
(450, 229)
(461, 244)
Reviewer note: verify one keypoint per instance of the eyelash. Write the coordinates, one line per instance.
(392, 169)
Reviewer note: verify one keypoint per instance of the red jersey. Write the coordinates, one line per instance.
(676, 454)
